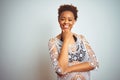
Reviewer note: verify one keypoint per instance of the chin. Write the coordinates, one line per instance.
(66, 29)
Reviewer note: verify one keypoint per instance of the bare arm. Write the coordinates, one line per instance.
(84, 66)
(60, 63)
(63, 57)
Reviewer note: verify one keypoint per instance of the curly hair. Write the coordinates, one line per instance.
(67, 7)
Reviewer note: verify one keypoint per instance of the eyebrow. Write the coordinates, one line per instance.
(68, 17)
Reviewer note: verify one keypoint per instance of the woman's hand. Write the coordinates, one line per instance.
(66, 35)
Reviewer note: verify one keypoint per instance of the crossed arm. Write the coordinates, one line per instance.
(60, 62)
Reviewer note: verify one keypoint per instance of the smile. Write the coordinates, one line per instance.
(65, 26)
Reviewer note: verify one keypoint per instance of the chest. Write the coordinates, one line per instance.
(76, 52)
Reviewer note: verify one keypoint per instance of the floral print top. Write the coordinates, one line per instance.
(79, 52)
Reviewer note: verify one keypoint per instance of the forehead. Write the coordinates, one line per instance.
(66, 14)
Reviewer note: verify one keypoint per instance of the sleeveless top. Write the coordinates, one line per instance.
(77, 53)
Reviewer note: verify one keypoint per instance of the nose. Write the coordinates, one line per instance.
(66, 21)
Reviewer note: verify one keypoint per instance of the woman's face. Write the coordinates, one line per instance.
(66, 20)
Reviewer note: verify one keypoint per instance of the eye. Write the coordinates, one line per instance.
(70, 19)
(62, 19)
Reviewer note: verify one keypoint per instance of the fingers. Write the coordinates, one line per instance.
(65, 30)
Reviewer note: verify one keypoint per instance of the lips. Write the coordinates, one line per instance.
(65, 27)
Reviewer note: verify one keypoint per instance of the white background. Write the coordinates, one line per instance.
(27, 25)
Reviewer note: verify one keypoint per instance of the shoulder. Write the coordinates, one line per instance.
(81, 36)
(51, 42)
(53, 39)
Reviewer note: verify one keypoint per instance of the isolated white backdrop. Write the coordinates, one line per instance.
(27, 25)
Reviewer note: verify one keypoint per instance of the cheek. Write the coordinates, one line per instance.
(61, 23)
(71, 23)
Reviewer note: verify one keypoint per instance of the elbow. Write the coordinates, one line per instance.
(63, 67)
(61, 71)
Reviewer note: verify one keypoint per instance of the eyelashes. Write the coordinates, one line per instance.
(65, 19)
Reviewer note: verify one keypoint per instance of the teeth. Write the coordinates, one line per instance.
(66, 26)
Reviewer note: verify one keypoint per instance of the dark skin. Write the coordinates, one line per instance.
(66, 21)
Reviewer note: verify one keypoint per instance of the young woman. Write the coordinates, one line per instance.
(71, 55)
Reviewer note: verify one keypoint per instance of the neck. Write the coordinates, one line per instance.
(75, 39)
